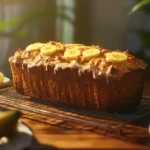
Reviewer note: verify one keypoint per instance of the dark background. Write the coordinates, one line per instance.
(99, 22)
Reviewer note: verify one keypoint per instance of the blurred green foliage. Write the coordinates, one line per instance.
(144, 35)
(18, 24)
(142, 4)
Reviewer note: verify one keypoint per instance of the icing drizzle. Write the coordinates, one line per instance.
(98, 66)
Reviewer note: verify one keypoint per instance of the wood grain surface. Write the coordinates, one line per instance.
(51, 136)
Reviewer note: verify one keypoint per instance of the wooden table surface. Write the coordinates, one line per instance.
(48, 136)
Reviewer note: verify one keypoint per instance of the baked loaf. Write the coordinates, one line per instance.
(77, 75)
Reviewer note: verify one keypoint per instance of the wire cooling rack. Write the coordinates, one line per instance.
(9, 98)
(76, 118)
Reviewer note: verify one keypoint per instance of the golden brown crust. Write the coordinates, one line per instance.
(78, 75)
(103, 94)
(86, 58)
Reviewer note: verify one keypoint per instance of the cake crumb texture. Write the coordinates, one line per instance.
(89, 77)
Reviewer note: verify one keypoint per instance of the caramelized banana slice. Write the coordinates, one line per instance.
(48, 50)
(34, 47)
(74, 45)
(71, 54)
(116, 57)
(90, 53)
(60, 47)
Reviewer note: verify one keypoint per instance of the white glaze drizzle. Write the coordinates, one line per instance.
(96, 71)
(60, 66)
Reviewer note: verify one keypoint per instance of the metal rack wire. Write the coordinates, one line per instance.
(9, 98)
(60, 115)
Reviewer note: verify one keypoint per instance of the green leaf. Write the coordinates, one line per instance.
(22, 34)
(139, 5)
(8, 23)
(19, 23)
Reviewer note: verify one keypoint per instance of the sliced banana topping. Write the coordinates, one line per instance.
(116, 57)
(71, 54)
(74, 45)
(48, 50)
(34, 47)
(60, 47)
(90, 53)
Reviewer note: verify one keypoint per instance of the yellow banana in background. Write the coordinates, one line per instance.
(8, 122)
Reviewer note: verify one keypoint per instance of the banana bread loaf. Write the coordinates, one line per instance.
(77, 75)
